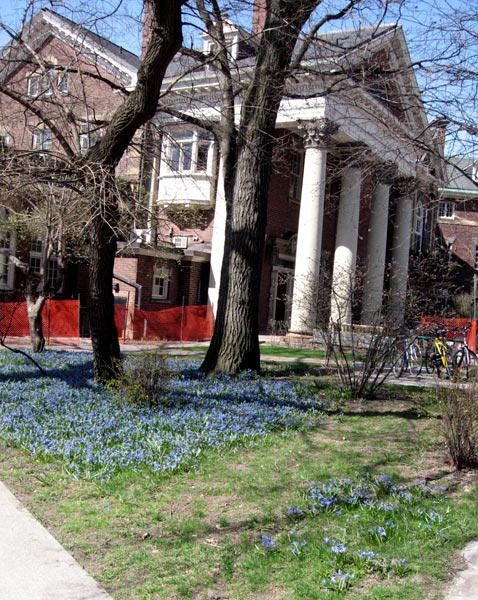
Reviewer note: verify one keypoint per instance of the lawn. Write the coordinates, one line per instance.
(247, 488)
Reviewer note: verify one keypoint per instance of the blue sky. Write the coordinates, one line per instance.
(122, 27)
(416, 16)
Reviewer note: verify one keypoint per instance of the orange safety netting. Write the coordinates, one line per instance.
(452, 328)
(60, 318)
(184, 323)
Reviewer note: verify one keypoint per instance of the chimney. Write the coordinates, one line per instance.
(438, 128)
(147, 26)
(259, 17)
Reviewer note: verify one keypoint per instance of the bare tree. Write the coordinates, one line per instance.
(246, 148)
(93, 170)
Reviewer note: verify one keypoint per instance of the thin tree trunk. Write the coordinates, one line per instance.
(34, 313)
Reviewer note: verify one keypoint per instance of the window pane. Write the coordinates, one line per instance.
(63, 82)
(33, 86)
(187, 156)
(202, 156)
(175, 155)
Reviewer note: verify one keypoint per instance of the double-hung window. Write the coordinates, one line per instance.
(36, 263)
(88, 138)
(42, 139)
(161, 278)
(5, 250)
(446, 210)
(295, 183)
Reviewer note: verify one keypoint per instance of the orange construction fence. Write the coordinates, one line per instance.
(452, 327)
(184, 323)
(61, 319)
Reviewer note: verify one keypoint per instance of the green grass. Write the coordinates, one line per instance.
(337, 511)
(180, 536)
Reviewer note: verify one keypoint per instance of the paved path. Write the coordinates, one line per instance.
(33, 565)
(465, 584)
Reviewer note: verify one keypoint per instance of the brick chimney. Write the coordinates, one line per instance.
(259, 17)
(147, 26)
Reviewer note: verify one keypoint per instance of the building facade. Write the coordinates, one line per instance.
(349, 198)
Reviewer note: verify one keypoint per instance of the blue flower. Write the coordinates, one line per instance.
(268, 542)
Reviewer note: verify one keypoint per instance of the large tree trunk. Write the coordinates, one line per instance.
(165, 40)
(104, 335)
(34, 312)
(235, 343)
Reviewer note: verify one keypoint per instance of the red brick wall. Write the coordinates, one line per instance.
(462, 231)
(88, 97)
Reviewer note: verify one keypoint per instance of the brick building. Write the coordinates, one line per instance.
(349, 193)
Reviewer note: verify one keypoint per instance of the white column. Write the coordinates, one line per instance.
(376, 249)
(218, 238)
(345, 255)
(309, 235)
(402, 232)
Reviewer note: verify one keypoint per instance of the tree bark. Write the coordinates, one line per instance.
(140, 106)
(235, 343)
(34, 312)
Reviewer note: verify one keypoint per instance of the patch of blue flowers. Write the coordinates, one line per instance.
(65, 415)
(377, 492)
(367, 520)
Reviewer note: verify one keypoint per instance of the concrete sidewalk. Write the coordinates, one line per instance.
(33, 565)
(465, 584)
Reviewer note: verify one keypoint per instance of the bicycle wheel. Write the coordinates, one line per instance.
(397, 361)
(429, 361)
(414, 359)
(473, 366)
(445, 363)
(459, 363)
(465, 363)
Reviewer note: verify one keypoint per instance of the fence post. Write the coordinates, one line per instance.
(182, 319)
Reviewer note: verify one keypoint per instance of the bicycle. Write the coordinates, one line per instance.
(408, 358)
(464, 359)
(437, 356)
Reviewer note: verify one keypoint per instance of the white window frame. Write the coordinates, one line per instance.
(4, 142)
(161, 278)
(42, 139)
(39, 84)
(36, 263)
(295, 178)
(88, 139)
(188, 152)
(63, 82)
(446, 209)
(33, 86)
(419, 226)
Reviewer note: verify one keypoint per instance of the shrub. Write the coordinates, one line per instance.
(460, 423)
(145, 379)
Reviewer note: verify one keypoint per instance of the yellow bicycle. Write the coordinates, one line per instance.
(437, 356)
